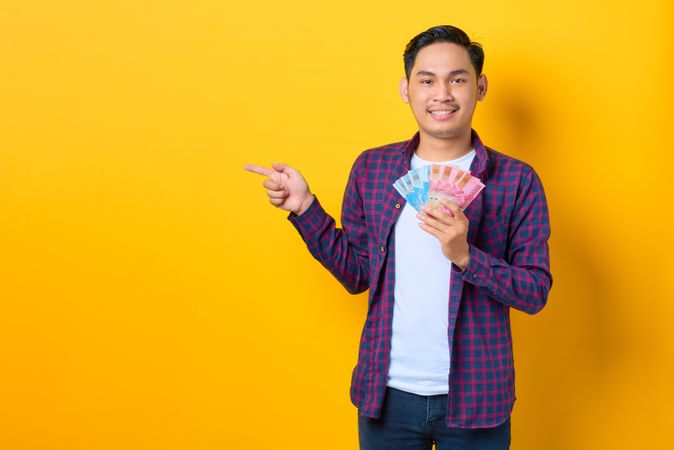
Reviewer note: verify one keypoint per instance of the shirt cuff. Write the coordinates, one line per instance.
(478, 270)
(310, 220)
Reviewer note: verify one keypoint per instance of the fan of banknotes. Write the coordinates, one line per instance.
(430, 183)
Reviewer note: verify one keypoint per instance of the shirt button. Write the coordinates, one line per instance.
(474, 276)
(383, 249)
(397, 205)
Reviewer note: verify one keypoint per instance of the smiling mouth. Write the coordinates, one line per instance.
(443, 114)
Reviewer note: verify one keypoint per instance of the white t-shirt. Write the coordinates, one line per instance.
(420, 353)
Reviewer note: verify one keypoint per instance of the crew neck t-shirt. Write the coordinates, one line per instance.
(420, 353)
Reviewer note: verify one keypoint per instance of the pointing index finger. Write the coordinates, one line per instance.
(258, 170)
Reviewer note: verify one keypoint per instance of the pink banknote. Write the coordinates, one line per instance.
(453, 183)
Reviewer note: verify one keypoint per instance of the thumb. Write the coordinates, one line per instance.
(284, 168)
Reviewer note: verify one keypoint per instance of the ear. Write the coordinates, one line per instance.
(482, 87)
(403, 90)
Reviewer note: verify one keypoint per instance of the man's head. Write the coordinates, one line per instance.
(443, 33)
(443, 82)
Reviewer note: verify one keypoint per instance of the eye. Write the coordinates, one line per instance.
(459, 80)
(425, 82)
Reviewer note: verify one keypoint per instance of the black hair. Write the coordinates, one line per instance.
(443, 33)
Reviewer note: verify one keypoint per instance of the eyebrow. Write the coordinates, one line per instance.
(453, 72)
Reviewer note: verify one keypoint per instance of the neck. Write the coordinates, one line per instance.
(437, 149)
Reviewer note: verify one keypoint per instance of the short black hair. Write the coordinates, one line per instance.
(443, 33)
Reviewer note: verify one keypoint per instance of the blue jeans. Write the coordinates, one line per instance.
(416, 422)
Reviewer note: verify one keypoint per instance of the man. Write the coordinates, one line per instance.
(435, 362)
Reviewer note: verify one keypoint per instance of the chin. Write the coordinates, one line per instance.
(444, 134)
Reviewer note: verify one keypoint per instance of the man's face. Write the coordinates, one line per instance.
(443, 90)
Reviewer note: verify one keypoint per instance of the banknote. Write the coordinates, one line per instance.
(455, 184)
(428, 184)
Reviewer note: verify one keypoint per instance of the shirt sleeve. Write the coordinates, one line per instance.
(343, 251)
(523, 281)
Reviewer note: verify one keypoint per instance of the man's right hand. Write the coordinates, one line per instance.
(286, 187)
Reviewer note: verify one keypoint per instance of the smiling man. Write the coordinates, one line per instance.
(435, 364)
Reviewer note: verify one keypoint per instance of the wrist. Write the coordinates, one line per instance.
(462, 262)
(305, 205)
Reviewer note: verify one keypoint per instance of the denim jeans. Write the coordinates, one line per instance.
(416, 422)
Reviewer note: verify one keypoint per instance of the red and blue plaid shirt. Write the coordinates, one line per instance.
(509, 267)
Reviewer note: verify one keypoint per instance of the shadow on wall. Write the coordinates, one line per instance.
(565, 355)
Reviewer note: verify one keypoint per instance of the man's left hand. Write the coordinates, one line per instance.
(449, 225)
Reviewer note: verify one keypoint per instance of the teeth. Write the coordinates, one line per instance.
(437, 113)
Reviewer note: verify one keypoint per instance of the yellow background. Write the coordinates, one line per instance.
(150, 298)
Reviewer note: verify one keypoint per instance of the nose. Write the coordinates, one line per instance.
(444, 92)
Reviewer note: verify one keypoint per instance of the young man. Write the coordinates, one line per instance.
(435, 362)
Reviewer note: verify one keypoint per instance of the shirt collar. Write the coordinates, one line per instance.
(479, 163)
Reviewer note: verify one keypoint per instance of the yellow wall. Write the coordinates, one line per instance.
(150, 298)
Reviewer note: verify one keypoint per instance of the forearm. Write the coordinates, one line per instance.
(331, 247)
(523, 286)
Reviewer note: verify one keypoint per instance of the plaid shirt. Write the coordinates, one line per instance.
(509, 267)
